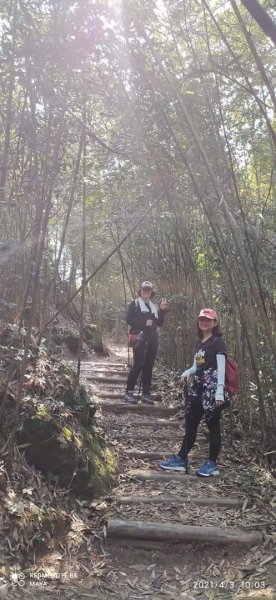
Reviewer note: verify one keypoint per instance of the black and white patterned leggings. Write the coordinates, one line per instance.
(200, 402)
(194, 417)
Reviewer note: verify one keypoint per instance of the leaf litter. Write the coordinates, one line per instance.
(101, 570)
(242, 478)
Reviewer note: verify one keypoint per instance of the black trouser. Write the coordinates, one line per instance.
(193, 418)
(143, 360)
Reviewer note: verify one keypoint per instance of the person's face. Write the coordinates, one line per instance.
(206, 324)
(146, 294)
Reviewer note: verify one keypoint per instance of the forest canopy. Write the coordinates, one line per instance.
(113, 109)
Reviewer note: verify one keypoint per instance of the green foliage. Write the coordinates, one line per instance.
(172, 98)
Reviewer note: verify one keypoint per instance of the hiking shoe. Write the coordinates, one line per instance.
(129, 397)
(174, 463)
(208, 468)
(146, 399)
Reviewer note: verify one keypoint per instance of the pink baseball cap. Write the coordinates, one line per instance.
(209, 313)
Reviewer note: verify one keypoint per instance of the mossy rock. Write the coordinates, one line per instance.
(93, 338)
(57, 338)
(75, 396)
(77, 460)
(68, 333)
(72, 342)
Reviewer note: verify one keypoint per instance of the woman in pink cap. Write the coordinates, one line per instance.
(207, 395)
(143, 316)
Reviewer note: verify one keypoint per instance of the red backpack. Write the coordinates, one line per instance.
(231, 376)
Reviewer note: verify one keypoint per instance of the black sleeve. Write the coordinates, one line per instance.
(161, 317)
(220, 347)
(135, 318)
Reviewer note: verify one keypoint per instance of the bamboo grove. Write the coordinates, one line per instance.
(149, 128)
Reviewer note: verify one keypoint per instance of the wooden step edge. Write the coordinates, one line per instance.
(156, 424)
(165, 476)
(105, 400)
(145, 545)
(107, 364)
(106, 372)
(108, 380)
(120, 396)
(167, 532)
(138, 408)
(139, 437)
(221, 501)
(147, 454)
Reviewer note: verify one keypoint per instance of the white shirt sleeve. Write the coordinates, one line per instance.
(221, 377)
(191, 371)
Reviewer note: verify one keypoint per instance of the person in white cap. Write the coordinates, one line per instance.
(143, 316)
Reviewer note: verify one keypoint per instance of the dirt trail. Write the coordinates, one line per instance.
(142, 568)
(145, 568)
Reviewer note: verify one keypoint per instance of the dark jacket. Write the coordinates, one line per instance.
(137, 320)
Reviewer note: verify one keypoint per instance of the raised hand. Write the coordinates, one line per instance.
(164, 304)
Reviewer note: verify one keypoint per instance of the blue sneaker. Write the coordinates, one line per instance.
(129, 398)
(146, 399)
(174, 463)
(208, 468)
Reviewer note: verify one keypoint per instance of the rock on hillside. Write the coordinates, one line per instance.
(66, 332)
(57, 428)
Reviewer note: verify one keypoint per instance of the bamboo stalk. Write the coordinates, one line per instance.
(263, 19)
(83, 267)
(107, 258)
